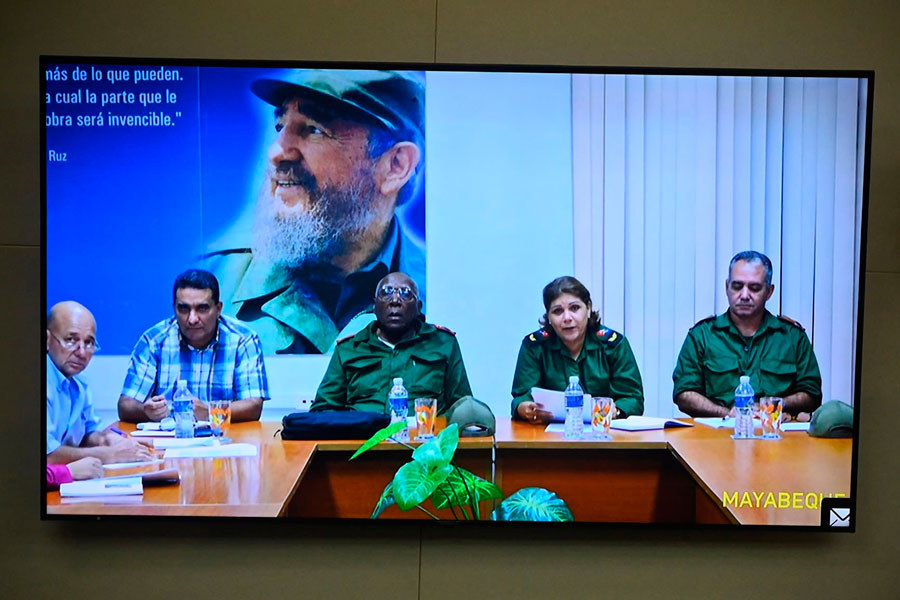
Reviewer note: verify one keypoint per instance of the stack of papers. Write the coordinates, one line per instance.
(641, 423)
(154, 433)
(633, 423)
(561, 428)
(131, 465)
(555, 403)
(720, 422)
(728, 422)
(120, 486)
(167, 424)
(163, 444)
(795, 426)
(224, 451)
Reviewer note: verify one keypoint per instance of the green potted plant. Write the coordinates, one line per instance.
(432, 474)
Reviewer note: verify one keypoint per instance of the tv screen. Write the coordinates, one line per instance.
(236, 225)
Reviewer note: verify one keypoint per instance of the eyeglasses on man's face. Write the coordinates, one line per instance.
(405, 293)
(72, 343)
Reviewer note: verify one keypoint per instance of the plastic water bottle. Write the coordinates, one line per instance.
(743, 409)
(398, 399)
(183, 410)
(574, 407)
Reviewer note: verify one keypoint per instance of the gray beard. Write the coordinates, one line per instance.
(294, 236)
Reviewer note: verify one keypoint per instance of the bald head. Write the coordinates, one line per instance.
(70, 324)
(66, 311)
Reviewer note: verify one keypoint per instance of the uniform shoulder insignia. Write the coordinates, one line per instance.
(791, 322)
(444, 329)
(345, 338)
(705, 320)
(608, 336)
(537, 337)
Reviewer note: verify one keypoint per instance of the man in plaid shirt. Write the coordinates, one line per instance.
(219, 357)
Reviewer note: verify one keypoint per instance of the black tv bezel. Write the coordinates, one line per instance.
(866, 74)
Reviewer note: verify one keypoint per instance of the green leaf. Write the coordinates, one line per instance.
(533, 504)
(439, 451)
(414, 483)
(387, 499)
(429, 455)
(380, 436)
(456, 490)
(448, 440)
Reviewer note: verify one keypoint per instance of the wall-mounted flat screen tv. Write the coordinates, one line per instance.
(610, 295)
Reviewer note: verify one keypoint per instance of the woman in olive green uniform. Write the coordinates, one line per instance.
(571, 341)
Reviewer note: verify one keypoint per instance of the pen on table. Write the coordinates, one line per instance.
(118, 431)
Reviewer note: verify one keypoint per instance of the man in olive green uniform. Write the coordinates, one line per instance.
(397, 344)
(348, 150)
(746, 340)
(605, 367)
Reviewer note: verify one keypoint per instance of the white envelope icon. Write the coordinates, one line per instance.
(839, 517)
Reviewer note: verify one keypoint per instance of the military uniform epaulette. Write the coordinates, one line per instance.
(444, 329)
(608, 336)
(791, 322)
(538, 336)
(709, 318)
(345, 338)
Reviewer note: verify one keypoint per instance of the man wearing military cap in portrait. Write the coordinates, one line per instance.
(747, 340)
(348, 150)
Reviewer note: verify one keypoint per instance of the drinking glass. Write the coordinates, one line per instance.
(426, 408)
(220, 418)
(770, 412)
(602, 411)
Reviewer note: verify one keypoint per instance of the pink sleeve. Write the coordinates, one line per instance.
(57, 474)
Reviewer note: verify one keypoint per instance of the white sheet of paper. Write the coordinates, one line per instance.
(224, 451)
(165, 443)
(795, 426)
(561, 428)
(154, 433)
(715, 422)
(131, 465)
(555, 403)
(148, 426)
(133, 499)
(167, 424)
(641, 423)
(128, 486)
(719, 422)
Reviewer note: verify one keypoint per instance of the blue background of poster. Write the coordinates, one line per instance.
(131, 207)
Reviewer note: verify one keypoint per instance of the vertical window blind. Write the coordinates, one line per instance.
(673, 175)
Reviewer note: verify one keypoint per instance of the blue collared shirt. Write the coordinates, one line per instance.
(70, 412)
(230, 367)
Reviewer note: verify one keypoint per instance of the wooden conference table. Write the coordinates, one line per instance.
(684, 475)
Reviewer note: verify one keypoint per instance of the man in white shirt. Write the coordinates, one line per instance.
(73, 428)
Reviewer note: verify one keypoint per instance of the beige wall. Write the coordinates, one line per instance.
(272, 560)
